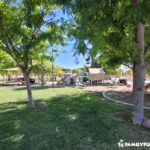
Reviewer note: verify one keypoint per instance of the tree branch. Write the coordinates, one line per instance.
(9, 40)
(10, 53)
(128, 66)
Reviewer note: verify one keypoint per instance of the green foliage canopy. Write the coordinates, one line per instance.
(25, 26)
(110, 27)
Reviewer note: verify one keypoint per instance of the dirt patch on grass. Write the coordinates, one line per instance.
(13, 100)
(42, 105)
(121, 93)
(103, 87)
(125, 96)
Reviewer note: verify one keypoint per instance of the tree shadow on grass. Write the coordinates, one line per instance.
(79, 122)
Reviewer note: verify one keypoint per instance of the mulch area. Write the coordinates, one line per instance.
(122, 93)
(126, 96)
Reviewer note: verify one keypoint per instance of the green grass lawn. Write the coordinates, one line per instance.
(64, 119)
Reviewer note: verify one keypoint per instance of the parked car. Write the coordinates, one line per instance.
(22, 79)
(32, 80)
(123, 81)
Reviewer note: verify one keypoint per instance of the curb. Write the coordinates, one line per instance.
(113, 100)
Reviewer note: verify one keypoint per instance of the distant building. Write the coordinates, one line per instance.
(67, 70)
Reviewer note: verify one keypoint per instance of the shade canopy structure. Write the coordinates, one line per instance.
(67, 79)
(96, 71)
(74, 75)
(82, 74)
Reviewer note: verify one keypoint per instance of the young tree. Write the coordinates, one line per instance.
(23, 25)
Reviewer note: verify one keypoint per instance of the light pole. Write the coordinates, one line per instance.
(53, 50)
(42, 72)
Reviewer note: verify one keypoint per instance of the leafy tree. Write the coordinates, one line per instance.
(23, 27)
(119, 31)
(148, 71)
(19, 30)
(5, 62)
(47, 68)
(130, 72)
(58, 71)
(78, 70)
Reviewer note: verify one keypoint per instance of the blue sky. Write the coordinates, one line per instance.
(66, 59)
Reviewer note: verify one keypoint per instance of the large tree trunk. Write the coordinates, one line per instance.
(27, 79)
(139, 82)
(134, 82)
(139, 74)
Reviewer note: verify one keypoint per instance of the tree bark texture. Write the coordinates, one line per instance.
(28, 86)
(138, 95)
(139, 73)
